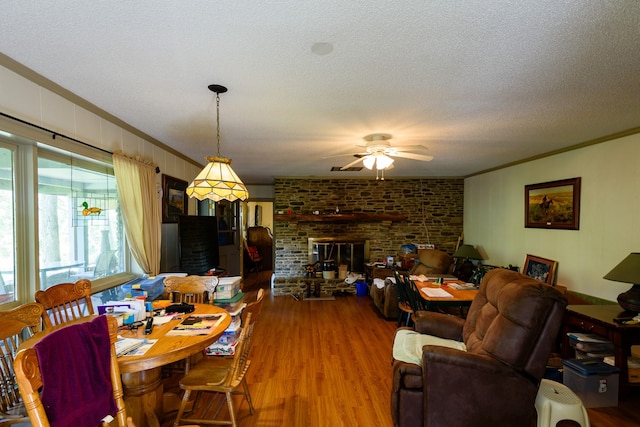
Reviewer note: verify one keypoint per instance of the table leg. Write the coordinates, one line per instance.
(143, 396)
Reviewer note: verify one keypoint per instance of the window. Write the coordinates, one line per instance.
(7, 226)
(59, 215)
(80, 232)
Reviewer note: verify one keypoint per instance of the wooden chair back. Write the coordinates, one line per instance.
(191, 289)
(404, 301)
(29, 376)
(253, 308)
(15, 325)
(65, 302)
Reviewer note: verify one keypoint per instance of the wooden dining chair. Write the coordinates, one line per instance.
(65, 302)
(404, 303)
(15, 325)
(209, 377)
(50, 393)
(416, 301)
(191, 289)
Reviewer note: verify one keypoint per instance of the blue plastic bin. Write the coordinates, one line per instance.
(361, 289)
(154, 286)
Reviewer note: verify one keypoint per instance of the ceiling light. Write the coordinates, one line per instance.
(217, 181)
(383, 161)
(379, 160)
(369, 161)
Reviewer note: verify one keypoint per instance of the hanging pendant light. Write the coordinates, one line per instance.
(217, 181)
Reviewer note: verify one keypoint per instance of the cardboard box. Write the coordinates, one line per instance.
(595, 382)
(633, 365)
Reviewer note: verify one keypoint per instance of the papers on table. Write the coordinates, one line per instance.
(461, 286)
(436, 293)
(132, 346)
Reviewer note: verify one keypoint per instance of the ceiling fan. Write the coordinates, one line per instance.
(380, 154)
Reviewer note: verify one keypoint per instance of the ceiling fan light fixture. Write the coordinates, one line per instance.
(379, 160)
(217, 181)
(383, 161)
(369, 161)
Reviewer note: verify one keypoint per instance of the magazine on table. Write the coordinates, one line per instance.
(197, 324)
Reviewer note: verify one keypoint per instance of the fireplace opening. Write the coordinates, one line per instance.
(354, 253)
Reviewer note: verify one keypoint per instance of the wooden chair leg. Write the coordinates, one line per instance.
(183, 405)
(247, 395)
(232, 413)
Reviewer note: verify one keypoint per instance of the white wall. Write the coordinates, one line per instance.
(609, 214)
(33, 103)
(28, 101)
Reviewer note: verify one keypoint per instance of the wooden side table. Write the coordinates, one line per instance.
(598, 319)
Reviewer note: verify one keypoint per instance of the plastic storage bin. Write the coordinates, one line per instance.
(595, 382)
(361, 289)
(154, 287)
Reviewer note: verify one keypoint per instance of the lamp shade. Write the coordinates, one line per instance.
(628, 271)
(217, 181)
(467, 251)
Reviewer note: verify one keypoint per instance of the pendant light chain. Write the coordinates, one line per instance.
(217, 181)
(218, 120)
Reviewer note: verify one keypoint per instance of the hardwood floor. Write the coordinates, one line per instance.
(327, 363)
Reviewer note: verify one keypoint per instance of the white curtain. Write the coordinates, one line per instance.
(140, 206)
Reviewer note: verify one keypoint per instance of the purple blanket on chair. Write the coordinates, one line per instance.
(76, 382)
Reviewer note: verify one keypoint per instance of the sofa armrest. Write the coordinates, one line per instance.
(446, 373)
(438, 324)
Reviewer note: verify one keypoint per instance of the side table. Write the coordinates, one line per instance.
(598, 319)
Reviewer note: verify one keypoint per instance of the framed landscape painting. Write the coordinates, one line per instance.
(554, 204)
(174, 198)
(541, 269)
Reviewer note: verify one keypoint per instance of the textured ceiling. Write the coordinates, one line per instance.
(480, 83)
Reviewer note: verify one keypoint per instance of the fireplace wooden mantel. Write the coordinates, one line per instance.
(339, 217)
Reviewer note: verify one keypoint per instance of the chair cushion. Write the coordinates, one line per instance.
(407, 345)
(432, 261)
(253, 253)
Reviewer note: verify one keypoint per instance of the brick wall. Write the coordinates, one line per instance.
(434, 209)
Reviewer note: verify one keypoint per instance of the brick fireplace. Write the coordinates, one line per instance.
(430, 211)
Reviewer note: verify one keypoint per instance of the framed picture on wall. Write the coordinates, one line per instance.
(174, 198)
(554, 204)
(541, 269)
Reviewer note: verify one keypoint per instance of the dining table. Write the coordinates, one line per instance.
(141, 374)
(445, 294)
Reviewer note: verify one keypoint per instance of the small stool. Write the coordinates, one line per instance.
(556, 402)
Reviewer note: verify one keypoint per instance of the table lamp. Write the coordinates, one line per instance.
(628, 271)
(468, 252)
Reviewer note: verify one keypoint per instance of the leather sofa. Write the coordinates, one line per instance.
(429, 262)
(509, 332)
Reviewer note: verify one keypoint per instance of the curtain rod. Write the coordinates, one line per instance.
(54, 134)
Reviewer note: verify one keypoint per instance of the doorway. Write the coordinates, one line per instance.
(259, 231)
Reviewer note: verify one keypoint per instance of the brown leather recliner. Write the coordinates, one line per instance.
(509, 332)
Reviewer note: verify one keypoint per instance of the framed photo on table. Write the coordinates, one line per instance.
(541, 269)
(174, 198)
(554, 204)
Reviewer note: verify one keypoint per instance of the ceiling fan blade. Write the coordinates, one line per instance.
(345, 167)
(414, 156)
(410, 148)
(344, 155)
